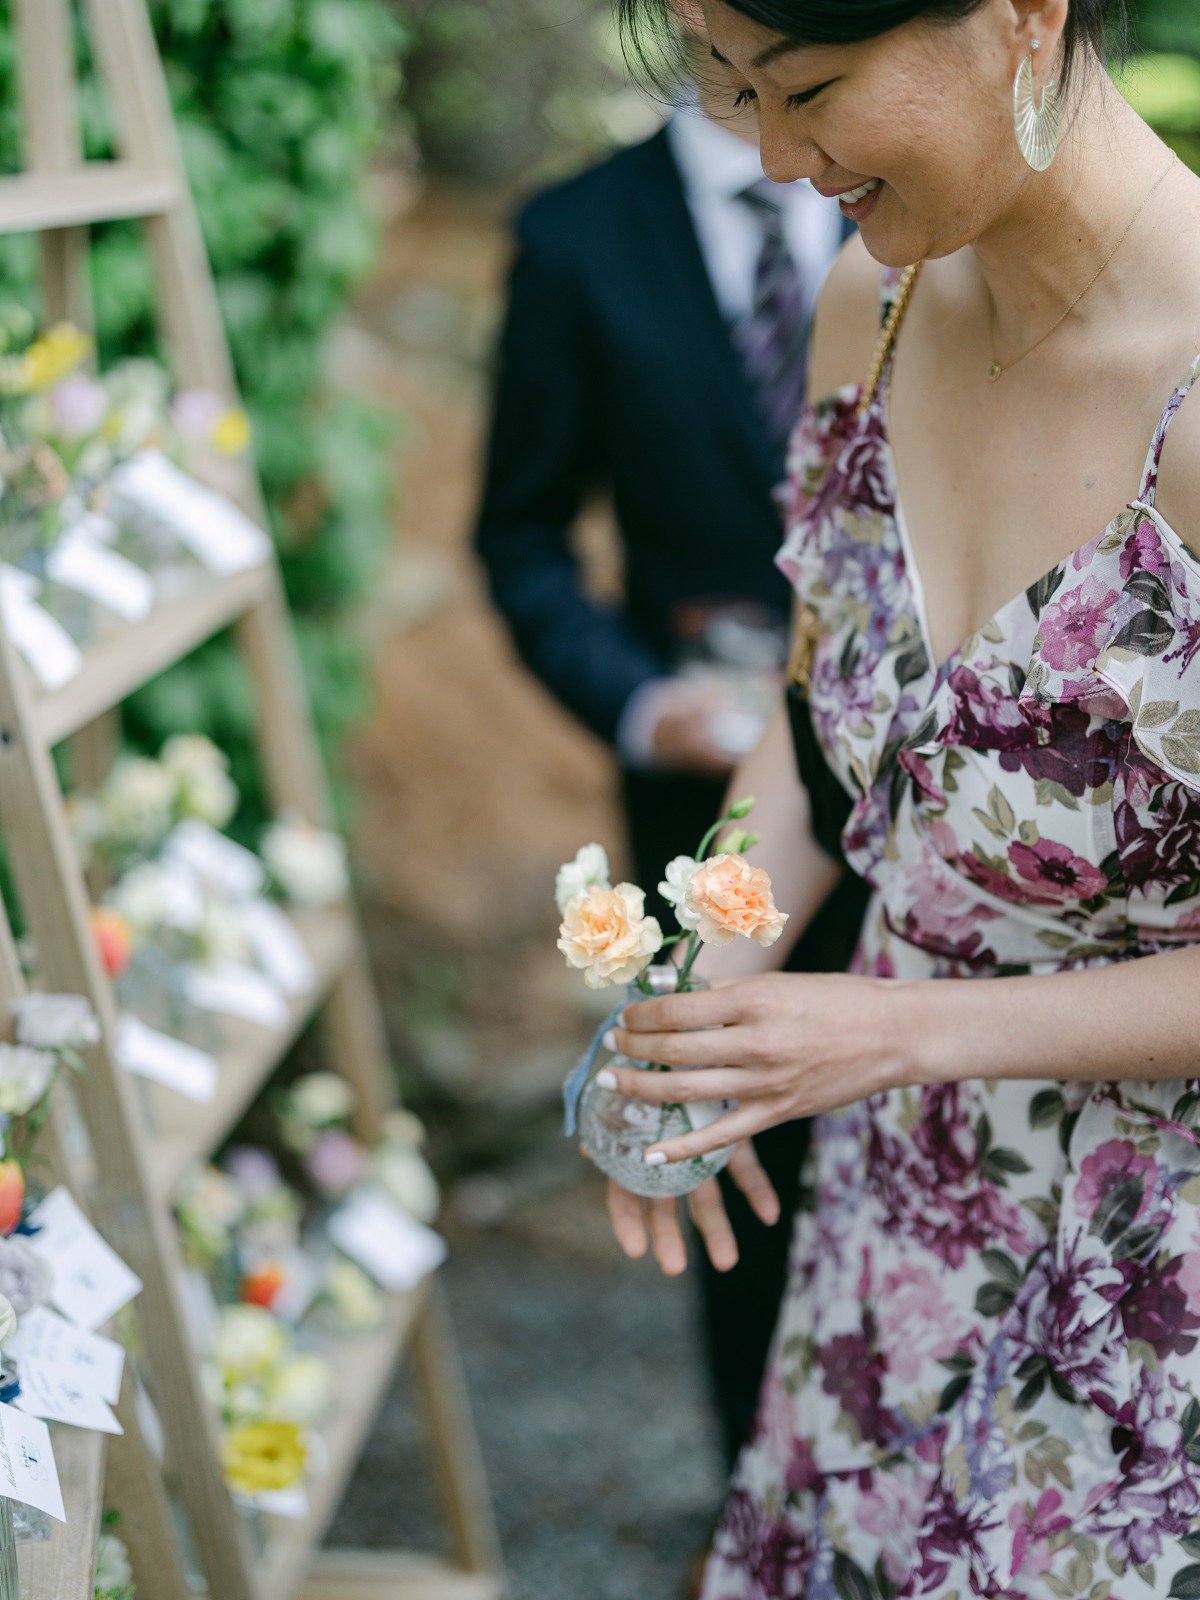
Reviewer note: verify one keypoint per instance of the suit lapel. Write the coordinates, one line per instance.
(693, 304)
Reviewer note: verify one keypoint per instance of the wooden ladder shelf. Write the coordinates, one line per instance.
(136, 1169)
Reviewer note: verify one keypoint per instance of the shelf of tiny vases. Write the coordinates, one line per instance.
(618, 1129)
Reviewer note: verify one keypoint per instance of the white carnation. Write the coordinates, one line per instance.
(139, 801)
(674, 888)
(112, 1564)
(303, 1391)
(589, 867)
(320, 1098)
(56, 1021)
(405, 1175)
(308, 864)
(25, 1076)
(249, 1342)
(202, 772)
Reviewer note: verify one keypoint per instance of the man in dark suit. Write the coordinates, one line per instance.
(654, 349)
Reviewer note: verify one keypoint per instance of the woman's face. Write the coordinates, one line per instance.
(922, 114)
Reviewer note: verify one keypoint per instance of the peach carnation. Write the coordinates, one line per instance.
(606, 933)
(728, 896)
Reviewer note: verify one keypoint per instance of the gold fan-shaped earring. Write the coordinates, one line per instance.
(1038, 122)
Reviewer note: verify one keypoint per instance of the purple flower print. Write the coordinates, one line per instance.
(917, 1323)
(1156, 1309)
(1066, 1316)
(953, 1532)
(1055, 873)
(1161, 847)
(853, 1372)
(1104, 1168)
(890, 1512)
(1155, 1495)
(1031, 1527)
(984, 715)
(773, 1552)
(1072, 628)
(1143, 551)
(862, 474)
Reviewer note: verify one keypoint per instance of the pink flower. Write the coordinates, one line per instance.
(78, 405)
(1111, 1163)
(1143, 552)
(255, 1171)
(917, 1323)
(892, 1512)
(336, 1162)
(727, 896)
(1072, 628)
(1056, 871)
(1032, 1526)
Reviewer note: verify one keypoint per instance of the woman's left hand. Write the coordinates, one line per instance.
(783, 1045)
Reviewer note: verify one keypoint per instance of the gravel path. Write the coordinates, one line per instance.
(588, 1394)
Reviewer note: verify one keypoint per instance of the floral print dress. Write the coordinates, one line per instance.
(986, 1376)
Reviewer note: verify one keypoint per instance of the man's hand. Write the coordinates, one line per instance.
(637, 1222)
(683, 738)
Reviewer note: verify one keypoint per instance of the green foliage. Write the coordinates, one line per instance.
(280, 106)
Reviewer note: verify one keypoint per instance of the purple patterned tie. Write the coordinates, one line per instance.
(773, 339)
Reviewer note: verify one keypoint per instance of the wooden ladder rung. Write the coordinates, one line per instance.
(388, 1575)
(96, 191)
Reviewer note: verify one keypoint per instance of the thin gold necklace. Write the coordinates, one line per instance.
(998, 368)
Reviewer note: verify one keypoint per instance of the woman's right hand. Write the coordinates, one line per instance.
(638, 1223)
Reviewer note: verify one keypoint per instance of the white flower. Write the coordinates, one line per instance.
(25, 1076)
(209, 1207)
(222, 934)
(354, 1301)
(589, 866)
(202, 772)
(25, 1279)
(249, 1343)
(403, 1127)
(320, 1098)
(8, 1320)
(139, 801)
(112, 1564)
(140, 896)
(56, 1021)
(308, 864)
(674, 888)
(404, 1173)
(303, 1391)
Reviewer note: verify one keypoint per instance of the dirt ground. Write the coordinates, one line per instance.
(583, 1368)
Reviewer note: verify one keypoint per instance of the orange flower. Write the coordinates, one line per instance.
(262, 1288)
(12, 1195)
(111, 933)
(728, 896)
(605, 932)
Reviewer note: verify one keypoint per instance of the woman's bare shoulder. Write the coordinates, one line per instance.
(846, 325)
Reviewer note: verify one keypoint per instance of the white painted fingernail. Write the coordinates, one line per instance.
(607, 1079)
(610, 1040)
(655, 1158)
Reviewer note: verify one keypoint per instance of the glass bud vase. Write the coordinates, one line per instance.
(618, 1130)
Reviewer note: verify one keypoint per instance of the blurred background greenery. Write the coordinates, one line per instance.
(285, 109)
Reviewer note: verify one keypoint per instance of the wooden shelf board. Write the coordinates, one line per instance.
(97, 191)
(62, 1566)
(364, 1367)
(395, 1575)
(183, 1132)
(126, 655)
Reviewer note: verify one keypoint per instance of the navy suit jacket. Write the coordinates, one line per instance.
(617, 372)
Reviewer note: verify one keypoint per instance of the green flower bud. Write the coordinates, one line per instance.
(742, 808)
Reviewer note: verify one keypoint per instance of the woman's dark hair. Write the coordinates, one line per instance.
(1100, 26)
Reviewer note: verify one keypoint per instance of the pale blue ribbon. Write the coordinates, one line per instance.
(573, 1088)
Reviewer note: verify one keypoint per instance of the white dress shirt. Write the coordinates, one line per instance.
(716, 167)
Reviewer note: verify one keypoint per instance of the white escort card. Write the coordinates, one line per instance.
(91, 1282)
(81, 562)
(278, 947)
(395, 1249)
(27, 1469)
(59, 1398)
(150, 1054)
(221, 863)
(89, 1359)
(237, 991)
(220, 536)
(43, 642)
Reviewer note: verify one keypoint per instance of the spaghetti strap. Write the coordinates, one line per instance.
(1149, 486)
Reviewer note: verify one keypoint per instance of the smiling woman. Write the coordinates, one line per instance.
(985, 1379)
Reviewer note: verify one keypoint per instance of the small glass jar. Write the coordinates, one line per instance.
(618, 1130)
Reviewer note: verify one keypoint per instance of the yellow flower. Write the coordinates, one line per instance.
(231, 432)
(58, 352)
(259, 1456)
